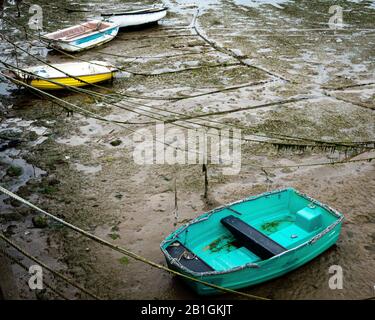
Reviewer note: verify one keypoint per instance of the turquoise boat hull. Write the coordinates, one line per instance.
(298, 227)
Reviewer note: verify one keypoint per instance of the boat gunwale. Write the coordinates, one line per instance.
(112, 26)
(135, 12)
(40, 78)
(207, 215)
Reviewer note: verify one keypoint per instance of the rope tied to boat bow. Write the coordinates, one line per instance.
(126, 251)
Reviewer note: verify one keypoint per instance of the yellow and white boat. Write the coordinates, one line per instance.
(74, 74)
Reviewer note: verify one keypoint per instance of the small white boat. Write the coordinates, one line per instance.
(136, 17)
(59, 76)
(83, 36)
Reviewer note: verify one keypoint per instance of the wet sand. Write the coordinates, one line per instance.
(253, 54)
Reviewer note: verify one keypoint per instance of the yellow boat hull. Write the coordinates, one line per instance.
(72, 82)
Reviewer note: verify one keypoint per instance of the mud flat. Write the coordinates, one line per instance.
(271, 70)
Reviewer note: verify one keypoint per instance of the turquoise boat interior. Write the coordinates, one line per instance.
(250, 231)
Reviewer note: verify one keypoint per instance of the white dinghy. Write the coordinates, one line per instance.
(83, 36)
(135, 17)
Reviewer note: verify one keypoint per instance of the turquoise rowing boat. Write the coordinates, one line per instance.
(252, 240)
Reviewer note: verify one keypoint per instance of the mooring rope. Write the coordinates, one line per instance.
(121, 124)
(94, 94)
(113, 247)
(230, 52)
(42, 264)
(315, 164)
(185, 118)
(281, 136)
(23, 266)
(92, 114)
(98, 117)
(325, 145)
(123, 250)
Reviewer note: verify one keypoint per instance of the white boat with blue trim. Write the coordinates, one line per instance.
(83, 36)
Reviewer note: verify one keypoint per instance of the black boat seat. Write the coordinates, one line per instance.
(190, 261)
(252, 239)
